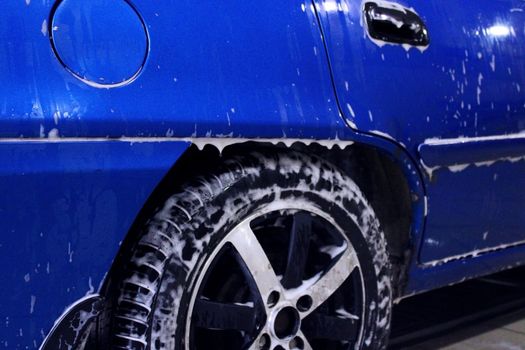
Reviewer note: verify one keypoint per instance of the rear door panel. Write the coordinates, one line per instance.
(468, 83)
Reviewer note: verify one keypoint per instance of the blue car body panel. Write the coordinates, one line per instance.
(213, 69)
(486, 210)
(466, 84)
(230, 69)
(65, 208)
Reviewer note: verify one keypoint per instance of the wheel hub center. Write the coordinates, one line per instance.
(286, 322)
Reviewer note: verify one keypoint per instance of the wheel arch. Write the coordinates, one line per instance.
(380, 175)
(377, 173)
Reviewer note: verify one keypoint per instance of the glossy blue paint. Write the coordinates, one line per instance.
(455, 271)
(412, 95)
(466, 83)
(486, 210)
(65, 208)
(111, 52)
(440, 153)
(223, 68)
(239, 69)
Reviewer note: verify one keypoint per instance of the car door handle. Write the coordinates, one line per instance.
(394, 23)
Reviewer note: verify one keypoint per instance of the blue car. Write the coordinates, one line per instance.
(238, 175)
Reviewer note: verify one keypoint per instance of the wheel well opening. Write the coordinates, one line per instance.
(378, 176)
(376, 173)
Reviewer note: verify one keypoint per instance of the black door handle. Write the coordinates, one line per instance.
(395, 24)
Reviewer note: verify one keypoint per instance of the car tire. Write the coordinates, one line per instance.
(272, 251)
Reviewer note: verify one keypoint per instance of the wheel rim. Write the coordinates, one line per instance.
(284, 278)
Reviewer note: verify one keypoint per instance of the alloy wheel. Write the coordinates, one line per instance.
(284, 279)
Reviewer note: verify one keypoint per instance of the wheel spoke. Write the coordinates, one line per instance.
(216, 315)
(255, 259)
(319, 326)
(298, 250)
(321, 289)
